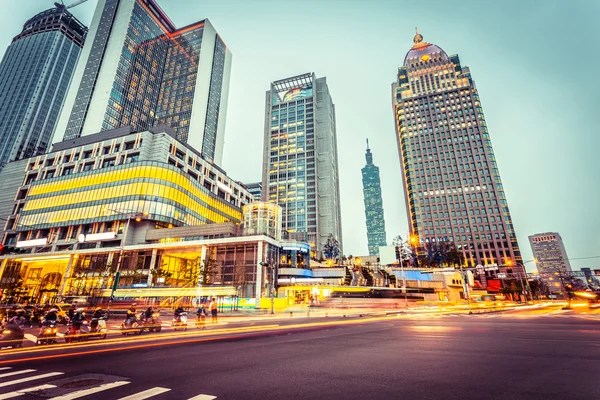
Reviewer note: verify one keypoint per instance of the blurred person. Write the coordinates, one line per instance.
(213, 310)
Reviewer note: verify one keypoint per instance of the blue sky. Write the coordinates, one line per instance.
(535, 64)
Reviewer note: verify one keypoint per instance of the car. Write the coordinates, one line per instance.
(63, 310)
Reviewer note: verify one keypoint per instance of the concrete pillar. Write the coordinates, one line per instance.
(259, 273)
(203, 255)
(152, 266)
(63, 283)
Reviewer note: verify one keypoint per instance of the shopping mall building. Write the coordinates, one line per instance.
(140, 203)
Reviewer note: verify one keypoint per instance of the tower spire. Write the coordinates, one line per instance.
(368, 155)
(418, 37)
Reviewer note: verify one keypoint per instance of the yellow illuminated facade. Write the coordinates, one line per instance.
(159, 189)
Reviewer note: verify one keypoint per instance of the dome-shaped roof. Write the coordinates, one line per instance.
(423, 51)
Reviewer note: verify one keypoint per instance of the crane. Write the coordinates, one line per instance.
(62, 5)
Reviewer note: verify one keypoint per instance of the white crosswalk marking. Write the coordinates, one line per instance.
(30, 378)
(203, 397)
(146, 394)
(24, 371)
(31, 337)
(87, 392)
(21, 392)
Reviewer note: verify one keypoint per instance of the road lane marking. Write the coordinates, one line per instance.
(203, 397)
(31, 337)
(30, 378)
(5, 368)
(21, 392)
(146, 394)
(87, 392)
(24, 371)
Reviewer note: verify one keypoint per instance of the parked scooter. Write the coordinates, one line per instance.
(47, 333)
(180, 322)
(12, 335)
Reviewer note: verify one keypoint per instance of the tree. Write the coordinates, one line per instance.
(331, 248)
(208, 269)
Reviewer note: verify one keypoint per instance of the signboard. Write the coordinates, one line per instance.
(387, 255)
(94, 237)
(32, 243)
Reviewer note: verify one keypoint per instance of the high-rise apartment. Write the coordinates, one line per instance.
(373, 204)
(35, 74)
(300, 163)
(550, 257)
(138, 69)
(451, 181)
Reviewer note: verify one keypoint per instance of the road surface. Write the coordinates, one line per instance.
(489, 356)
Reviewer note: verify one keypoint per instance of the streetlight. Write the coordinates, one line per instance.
(520, 276)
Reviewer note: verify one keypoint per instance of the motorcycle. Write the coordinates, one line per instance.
(98, 329)
(47, 333)
(131, 327)
(152, 324)
(12, 335)
(180, 322)
(80, 335)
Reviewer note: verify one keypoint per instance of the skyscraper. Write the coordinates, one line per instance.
(299, 125)
(138, 69)
(35, 74)
(550, 257)
(373, 205)
(451, 181)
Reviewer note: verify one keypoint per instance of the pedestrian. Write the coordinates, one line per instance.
(213, 310)
(201, 317)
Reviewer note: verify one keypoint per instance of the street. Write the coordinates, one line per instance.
(519, 355)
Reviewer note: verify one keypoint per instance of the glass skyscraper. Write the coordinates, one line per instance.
(300, 163)
(452, 185)
(35, 74)
(373, 205)
(140, 70)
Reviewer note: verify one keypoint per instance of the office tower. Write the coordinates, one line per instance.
(452, 185)
(299, 125)
(138, 69)
(35, 74)
(255, 188)
(373, 205)
(550, 258)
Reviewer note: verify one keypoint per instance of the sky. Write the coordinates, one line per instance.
(535, 63)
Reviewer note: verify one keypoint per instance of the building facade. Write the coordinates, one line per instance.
(138, 69)
(551, 258)
(91, 184)
(81, 210)
(452, 184)
(373, 204)
(300, 162)
(256, 189)
(35, 74)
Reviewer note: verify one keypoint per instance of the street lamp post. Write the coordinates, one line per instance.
(138, 217)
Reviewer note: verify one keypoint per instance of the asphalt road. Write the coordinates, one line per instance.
(496, 356)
